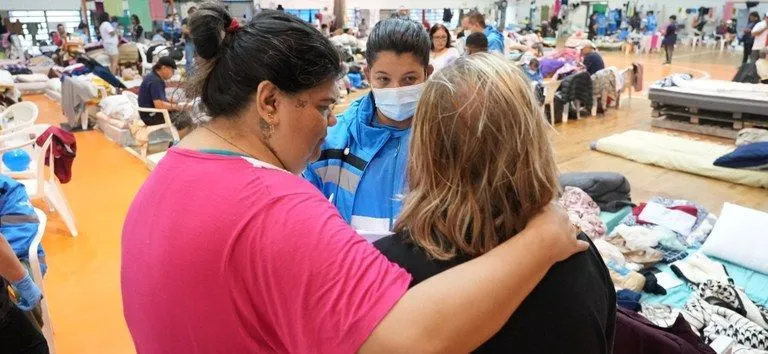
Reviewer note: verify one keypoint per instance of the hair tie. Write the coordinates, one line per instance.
(233, 26)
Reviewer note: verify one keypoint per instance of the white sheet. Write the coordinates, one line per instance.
(679, 154)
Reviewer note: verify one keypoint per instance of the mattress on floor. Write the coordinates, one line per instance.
(680, 154)
(31, 87)
(722, 96)
(755, 285)
(121, 136)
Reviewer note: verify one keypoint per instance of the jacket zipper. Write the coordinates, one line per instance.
(394, 183)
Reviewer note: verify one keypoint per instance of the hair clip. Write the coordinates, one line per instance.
(233, 26)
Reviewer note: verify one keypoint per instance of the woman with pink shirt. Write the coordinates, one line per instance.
(226, 249)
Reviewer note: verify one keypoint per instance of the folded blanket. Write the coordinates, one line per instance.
(610, 190)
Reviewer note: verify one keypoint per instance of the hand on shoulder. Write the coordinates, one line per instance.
(555, 233)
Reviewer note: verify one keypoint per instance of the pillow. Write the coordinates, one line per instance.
(751, 156)
(31, 78)
(740, 237)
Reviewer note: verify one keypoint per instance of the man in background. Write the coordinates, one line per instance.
(591, 59)
(476, 24)
(152, 95)
(477, 43)
(189, 46)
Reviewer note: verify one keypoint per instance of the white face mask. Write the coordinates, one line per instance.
(398, 103)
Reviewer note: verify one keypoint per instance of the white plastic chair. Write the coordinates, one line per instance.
(550, 88)
(152, 128)
(629, 83)
(48, 188)
(18, 116)
(37, 276)
(25, 140)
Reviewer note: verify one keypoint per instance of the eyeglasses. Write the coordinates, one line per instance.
(444, 38)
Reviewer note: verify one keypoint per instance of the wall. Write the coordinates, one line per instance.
(40, 5)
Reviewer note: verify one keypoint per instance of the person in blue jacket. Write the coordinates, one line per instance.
(476, 24)
(362, 164)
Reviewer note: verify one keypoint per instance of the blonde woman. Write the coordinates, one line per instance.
(480, 168)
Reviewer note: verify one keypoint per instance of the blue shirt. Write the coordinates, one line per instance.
(495, 40)
(593, 62)
(362, 167)
(151, 89)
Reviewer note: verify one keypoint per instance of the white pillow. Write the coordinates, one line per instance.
(6, 79)
(31, 78)
(740, 236)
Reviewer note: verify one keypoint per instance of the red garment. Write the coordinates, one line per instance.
(688, 209)
(636, 335)
(64, 151)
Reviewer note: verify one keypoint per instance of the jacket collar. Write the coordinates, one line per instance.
(364, 132)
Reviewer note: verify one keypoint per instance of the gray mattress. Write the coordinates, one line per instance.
(709, 101)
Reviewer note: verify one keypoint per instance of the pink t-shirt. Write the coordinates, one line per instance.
(222, 256)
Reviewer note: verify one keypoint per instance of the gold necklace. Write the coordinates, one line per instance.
(228, 141)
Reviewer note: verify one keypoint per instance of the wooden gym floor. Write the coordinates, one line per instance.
(83, 280)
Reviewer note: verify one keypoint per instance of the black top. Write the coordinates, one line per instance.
(5, 301)
(572, 310)
(152, 88)
(593, 62)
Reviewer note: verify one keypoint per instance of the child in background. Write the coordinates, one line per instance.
(532, 71)
(356, 78)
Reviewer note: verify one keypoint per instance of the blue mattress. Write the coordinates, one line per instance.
(754, 283)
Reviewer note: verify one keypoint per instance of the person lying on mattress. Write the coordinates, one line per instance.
(479, 168)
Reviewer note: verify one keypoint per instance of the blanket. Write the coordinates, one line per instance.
(610, 190)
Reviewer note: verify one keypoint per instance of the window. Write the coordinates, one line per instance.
(45, 21)
(304, 14)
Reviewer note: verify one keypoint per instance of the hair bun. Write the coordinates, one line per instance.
(207, 28)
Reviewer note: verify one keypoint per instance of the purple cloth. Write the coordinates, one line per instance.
(549, 66)
(636, 335)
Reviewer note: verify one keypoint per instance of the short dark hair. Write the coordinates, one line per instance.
(754, 14)
(399, 36)
(82, 25)
(476, 17)
(280, 48)
(135, 18)
(324, 25)
(103, 17)
(477, 40)
(673, 18)
(193, 8)
(434, 29)
(59, 25)
(164, 61)
(159, 30)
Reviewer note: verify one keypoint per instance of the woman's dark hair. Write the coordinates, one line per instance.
(103, 17)
(434, 29)
(273, 46)
(82, 25)
(399, 36)
(755, 15)
(135, 18)
(673, 18)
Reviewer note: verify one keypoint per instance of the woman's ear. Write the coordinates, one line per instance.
(267, 102)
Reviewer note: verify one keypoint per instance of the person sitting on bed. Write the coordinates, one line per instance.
(152, 95)
(480, 167)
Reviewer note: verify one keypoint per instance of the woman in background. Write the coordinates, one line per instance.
(137, 31)
(443, 53)
(480, 167)
(749, 39)
(110, 41)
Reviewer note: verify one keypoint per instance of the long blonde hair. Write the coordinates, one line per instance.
(480, 163)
